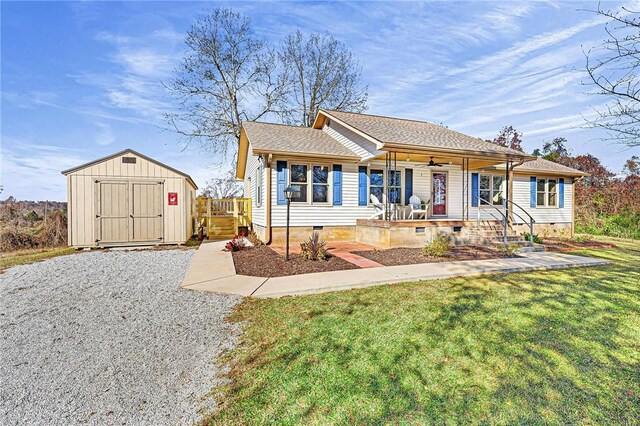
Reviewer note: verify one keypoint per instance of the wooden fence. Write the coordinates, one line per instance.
(224, 218)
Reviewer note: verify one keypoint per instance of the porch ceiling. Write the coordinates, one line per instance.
(474, 163)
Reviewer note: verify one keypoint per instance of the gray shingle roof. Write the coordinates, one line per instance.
(411, 132)
(542, 165)
(293, 139)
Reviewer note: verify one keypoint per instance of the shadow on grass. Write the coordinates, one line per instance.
(544, 347)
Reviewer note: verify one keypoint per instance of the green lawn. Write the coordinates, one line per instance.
(537, 348)
(24, 257)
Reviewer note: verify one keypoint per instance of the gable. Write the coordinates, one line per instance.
(128, 163)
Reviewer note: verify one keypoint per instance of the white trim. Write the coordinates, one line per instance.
(309, 184)
(546, 192)
(446, 196)
(385, 178)
(491, 190)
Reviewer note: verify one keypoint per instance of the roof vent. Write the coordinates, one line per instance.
(129, 160)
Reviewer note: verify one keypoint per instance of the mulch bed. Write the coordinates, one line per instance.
(261, 261)
(411, 256)
(570, 245)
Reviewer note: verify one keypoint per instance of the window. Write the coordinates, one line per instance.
(491, 190)
(546, 192)
(376, 183)
(541, 192)
(259, 186)
(311, 181)
(552, 192)
(395, 186)
(299, 182)
(485, 189)
(497, 198)
(320, 184)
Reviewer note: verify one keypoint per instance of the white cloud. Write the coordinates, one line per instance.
(105, 136)
(32, 172)
(144, 62)
(133, 83)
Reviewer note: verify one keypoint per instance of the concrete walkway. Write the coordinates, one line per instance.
(212, 270)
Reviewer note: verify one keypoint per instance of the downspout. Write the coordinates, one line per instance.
(268, 200)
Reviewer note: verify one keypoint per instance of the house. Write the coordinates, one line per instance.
(347, 161)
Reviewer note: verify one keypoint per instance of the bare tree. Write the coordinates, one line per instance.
(227, 76)
(613, 71)
(323, 73)
(225, 187)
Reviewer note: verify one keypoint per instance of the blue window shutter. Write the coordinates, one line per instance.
(533, 186)
(561, 193)
(337, 184)
(408, 185)
(475, 183)
(281, 167)
(362, 185)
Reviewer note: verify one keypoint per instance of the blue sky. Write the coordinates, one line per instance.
(83, 80)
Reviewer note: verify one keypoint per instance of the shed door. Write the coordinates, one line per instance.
(113, 212)
(146, 211)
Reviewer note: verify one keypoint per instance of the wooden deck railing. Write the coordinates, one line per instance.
(222, 218)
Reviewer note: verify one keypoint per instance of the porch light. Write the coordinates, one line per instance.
(289, 192)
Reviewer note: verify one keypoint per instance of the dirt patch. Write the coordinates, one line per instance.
(263, 262)
(410, 256)
(570, 245)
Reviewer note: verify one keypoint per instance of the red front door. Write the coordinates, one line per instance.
(439, 191)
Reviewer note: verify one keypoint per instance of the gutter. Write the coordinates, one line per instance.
(269, 159)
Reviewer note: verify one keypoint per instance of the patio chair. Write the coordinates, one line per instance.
(378, 206)
(416, 207)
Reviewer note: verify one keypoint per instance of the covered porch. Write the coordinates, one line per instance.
(419, 194)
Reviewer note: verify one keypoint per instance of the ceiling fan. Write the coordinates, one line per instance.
(432, 163)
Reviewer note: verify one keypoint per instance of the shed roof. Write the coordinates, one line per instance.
(413, 133)
(128, 151)
(280, 138)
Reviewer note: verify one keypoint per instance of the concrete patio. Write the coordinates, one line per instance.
(212, 270)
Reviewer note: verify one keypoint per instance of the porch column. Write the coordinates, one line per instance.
(465, 189)
(506, 203)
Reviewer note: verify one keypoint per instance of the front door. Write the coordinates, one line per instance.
(439, 193)
(146, 211)
(113, 212)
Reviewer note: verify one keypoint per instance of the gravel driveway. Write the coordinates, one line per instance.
(109, 338)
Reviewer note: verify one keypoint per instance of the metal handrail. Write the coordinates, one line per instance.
(504, 219)
(523, 210)
(531, 220)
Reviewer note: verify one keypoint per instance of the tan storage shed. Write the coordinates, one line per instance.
(129, 199)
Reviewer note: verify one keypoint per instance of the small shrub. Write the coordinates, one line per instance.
(12, 239)
(526, 236)
(236, 244)
(439, 247)
(578, 238)
(510, 249)
(253, 238)
(314, 248)
(32, 216)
